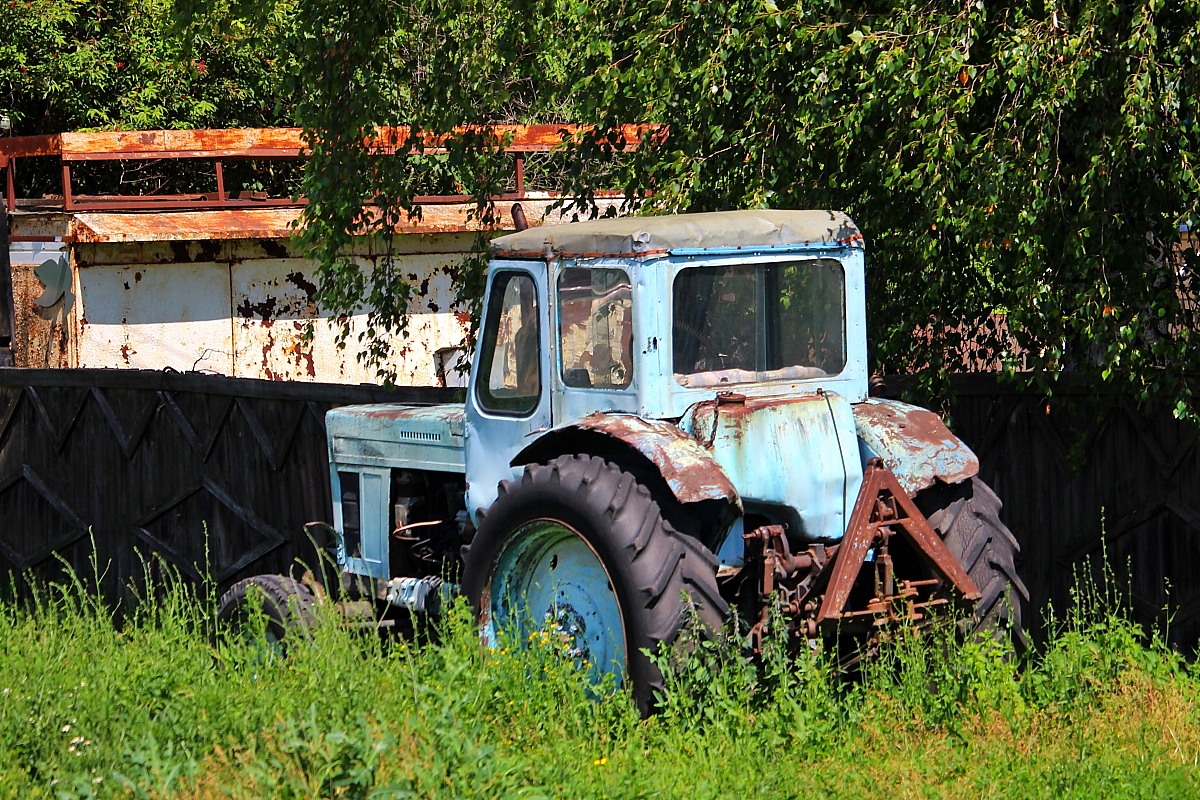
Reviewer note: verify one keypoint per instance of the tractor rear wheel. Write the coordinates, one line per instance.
(967, 517)
(578, 548)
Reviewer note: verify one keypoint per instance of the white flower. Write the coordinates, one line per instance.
(66, 728)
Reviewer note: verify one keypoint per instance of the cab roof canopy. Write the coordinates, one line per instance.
(646, 236)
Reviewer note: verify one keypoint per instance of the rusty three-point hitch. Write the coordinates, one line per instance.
(830, 589)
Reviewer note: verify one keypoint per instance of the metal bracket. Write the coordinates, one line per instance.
(884, 509)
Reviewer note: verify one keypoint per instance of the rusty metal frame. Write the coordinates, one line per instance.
(883, 509)
(814, 588)
(220, 146)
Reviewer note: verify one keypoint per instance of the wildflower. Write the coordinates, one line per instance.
(97, 779)
(78, 740)
(600, 762)
(66, 728)
(7, 691)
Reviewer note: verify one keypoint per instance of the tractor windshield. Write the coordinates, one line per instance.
(759, 322)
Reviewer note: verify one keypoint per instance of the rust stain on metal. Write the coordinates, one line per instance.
(31, 146)
(183, 226)
(260, 223)
(289, 142)
(268, 345)
(882, 511)
(210, 143)
(689, 470)
(217, 146)
(856, 585)
(40, 335)
(914, 443)
(512, 138)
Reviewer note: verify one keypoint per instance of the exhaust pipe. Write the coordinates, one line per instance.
(518, 217)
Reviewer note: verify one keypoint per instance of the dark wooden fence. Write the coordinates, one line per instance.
(1092, 482)
(199, 473)
(194, 470)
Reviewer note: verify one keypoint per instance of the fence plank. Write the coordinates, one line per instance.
(200, 474)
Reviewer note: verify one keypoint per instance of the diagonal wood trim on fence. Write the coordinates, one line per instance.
(198, 469)
(202, 474)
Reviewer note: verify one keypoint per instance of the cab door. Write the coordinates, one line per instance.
(508, 400)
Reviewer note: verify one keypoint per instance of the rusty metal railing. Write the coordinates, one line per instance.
(222, 146)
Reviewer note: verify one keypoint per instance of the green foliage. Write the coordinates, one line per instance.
(1025, 166)
(1034, 159)
(70, 65)
(1023, 162)
(432, 66)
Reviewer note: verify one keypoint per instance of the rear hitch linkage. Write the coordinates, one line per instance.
(825, 589)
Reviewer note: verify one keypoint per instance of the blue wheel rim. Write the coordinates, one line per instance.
(548, 579)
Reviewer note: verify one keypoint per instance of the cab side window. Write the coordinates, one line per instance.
(595, 328)
(510, 370)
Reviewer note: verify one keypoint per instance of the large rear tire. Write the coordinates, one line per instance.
(967, 517)
(579, 546)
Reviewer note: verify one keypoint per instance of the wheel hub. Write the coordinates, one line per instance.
(548, 581)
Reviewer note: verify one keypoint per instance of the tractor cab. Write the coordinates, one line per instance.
(654, 317)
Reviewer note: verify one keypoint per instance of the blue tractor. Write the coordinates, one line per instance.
(667, 418)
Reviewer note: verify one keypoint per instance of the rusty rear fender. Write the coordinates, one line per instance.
(914, 443)
(689, 471)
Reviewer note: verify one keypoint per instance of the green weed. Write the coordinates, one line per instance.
(156, 705)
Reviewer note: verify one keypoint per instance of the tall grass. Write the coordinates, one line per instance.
(159, 706)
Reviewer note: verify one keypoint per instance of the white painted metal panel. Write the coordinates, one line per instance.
(228, 292)
(274, 305)
(154, 316)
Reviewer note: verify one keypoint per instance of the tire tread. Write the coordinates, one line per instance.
(667, 576)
